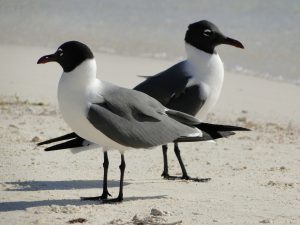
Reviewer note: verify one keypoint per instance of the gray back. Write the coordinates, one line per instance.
(170, 88)
(136, 120)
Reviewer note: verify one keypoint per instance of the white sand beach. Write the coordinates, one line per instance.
(255, 175)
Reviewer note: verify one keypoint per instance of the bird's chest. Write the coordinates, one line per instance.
(210, 78)
(214, 87)
(74, 99)
(73, 102)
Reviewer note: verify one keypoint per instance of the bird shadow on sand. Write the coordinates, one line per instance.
(24, 205)
(59, 185)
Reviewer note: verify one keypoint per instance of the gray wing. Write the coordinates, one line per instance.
(167, 84)
(191, 100)
(171, 88)
(183, 117)
(136, 120)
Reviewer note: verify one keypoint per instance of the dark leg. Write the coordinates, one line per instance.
(122, 170)
(185, 176)
(177, 153)
(165, 173)
(105, 192)
(120, 196)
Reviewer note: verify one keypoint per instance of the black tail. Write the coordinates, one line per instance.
(60, 138)
(74, 143)
(212, 132)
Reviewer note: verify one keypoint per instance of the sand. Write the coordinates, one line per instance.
(255, 175)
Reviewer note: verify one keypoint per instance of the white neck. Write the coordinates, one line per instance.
(76, 91)
(76, 86)
(199, 57)
(208, 70)
(204, 66)
(83, 73)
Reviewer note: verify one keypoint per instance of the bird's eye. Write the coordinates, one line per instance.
(207, 32)
(60, 52)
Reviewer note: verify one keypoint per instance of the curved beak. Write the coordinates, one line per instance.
(233, 42)
(47, 58)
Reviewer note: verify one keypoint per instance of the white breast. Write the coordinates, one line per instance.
(76, 90)
(207, 69)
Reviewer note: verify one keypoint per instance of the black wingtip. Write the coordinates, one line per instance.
(220, 127)
(144, 76)
(213, 132)
(219, 131)
(74, 143)
(51, 149)
(235, 128)
(44, 143)
(60, 138)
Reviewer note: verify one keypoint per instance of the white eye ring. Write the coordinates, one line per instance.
(207, 32)
(61, 52)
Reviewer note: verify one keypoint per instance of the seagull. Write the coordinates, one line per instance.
(119, 118)
(192, 86)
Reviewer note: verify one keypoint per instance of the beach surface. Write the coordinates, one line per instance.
(255, 176)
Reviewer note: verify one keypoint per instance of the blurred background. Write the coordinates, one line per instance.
(269, 29)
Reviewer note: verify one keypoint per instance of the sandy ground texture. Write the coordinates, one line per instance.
(255, 175)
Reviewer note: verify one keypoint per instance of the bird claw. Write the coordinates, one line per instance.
(104, 196)
(196, 179)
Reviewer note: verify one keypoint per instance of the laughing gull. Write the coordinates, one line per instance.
(192, 86)
(119, 118)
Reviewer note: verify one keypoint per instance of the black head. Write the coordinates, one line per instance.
(69, 55)
(205, 36)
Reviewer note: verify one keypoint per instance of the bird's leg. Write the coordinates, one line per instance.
(122, 170)
(120, 196)
(105, 192)
(177, 153)
(165, 173)
(184, 176)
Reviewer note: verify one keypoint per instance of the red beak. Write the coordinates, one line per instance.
(46, 59)
(233, 42)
